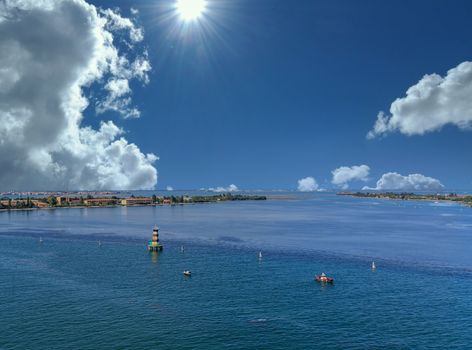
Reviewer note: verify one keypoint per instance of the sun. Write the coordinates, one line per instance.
(190, 9)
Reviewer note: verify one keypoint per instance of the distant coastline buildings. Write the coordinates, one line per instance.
(138, 201)
(68, 201)
(407, 196)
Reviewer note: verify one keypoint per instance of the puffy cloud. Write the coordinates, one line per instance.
(51, 53)
(307, 184)
(413, 182)
(343, 175)
(230, 188)
(429, 105)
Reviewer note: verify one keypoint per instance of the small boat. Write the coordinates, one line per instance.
(260, 255)
(182, 248)
(187, 273)
(99, 243)
(40, 239)
(324, 279)
(373, 265)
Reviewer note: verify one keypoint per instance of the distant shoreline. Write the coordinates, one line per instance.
(452, 197)
(65, 202)
(286, 197)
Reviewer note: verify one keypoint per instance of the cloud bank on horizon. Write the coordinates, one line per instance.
(51, 52)
(342, 176)
(431, 104)
(307, 184)
(413, 182)
(391, 181)
(220, 189)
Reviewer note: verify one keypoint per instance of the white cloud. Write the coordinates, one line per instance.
(230, 188)
(429, 105)
(343, 175)
(307, 184)
(51, 52)
(413, 182)
(118, 99)
(116, 23)
(169, 188)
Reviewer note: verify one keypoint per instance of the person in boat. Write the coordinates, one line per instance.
(323, 277)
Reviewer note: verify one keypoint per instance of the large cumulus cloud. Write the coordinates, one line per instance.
(413, 182)
(429, 105)
(51, 53)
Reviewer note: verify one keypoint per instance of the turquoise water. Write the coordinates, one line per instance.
(69, 293)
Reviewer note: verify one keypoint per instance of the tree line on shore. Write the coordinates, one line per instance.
(467, 199)
(8, 203)
(55, 201)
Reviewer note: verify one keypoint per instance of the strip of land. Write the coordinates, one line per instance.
(286, 197)
(451, 197)
(112, 201)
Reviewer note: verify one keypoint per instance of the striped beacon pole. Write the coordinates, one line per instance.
(154, 245)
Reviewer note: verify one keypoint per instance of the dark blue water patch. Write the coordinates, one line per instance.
(230, 239)
(230, 243)
(73, 294)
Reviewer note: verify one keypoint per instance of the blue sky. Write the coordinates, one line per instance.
(288, 91)
(263, 93)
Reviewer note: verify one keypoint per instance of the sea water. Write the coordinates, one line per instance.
(68, 292)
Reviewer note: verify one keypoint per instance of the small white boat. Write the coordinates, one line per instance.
(324, 279)
(187, 273)
(260, 255)
(373, 265)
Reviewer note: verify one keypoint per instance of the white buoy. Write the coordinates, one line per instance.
(373, 265)
(260, 255)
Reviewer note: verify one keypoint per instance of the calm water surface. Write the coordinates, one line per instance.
(69, 293)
